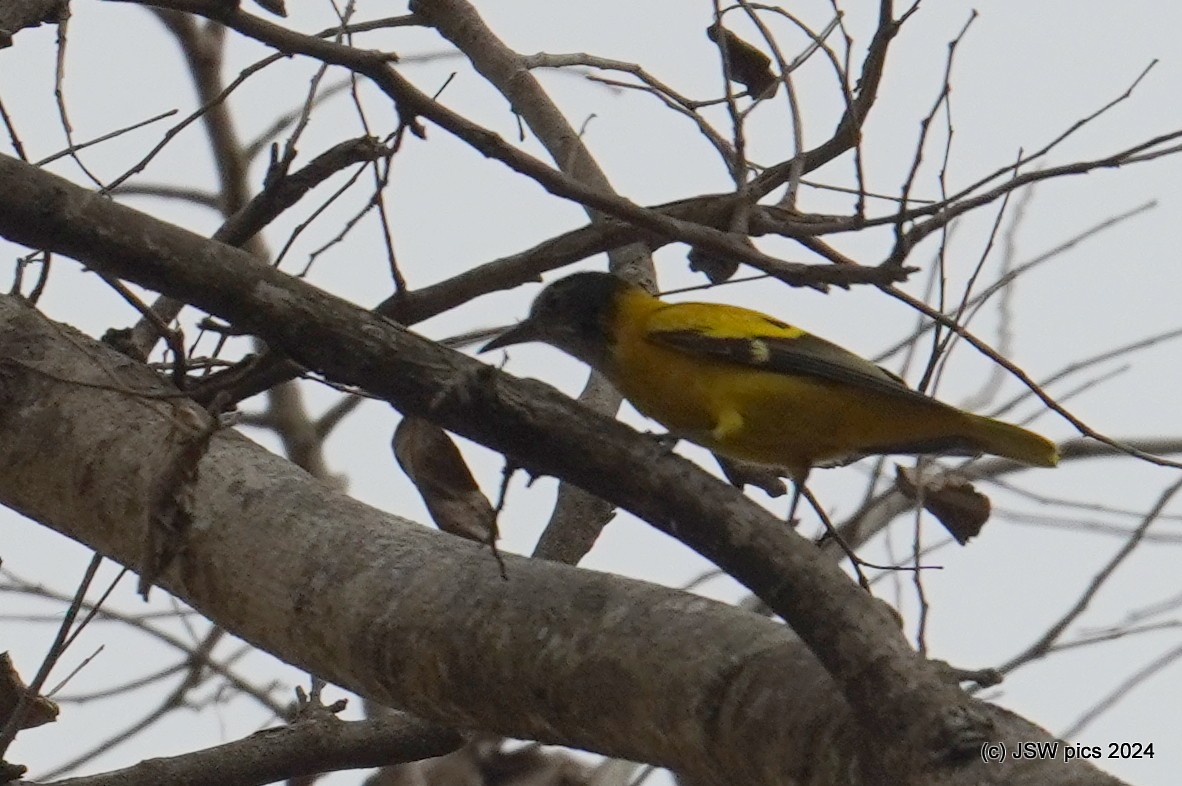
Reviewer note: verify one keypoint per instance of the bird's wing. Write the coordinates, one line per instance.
(749, 338)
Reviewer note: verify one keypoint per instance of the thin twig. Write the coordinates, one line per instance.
(1041, 646)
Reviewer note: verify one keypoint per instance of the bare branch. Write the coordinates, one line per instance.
(307, 747)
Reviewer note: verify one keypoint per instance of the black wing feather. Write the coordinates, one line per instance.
(805, 355)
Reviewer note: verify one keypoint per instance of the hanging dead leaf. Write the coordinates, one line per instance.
(38, 711)
(434, 464)
(717, 269)
(746, 65)
(950, 498)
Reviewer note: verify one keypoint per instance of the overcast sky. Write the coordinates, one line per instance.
(1023, 74)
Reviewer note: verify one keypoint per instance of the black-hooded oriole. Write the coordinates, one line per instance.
(750, 387)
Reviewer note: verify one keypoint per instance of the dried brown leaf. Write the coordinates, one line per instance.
(717, 269)
(434, 464)
(954, 501)
(37, 712)
(746, 65)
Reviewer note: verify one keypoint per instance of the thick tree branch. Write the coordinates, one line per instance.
(553, 653)
(306, 747)
(926, 724)
(16, 15)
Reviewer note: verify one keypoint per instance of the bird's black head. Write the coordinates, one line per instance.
(574, 314)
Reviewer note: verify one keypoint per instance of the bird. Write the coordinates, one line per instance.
(751, 387)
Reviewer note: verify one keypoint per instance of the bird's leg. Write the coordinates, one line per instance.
(797, 485)
(799, 476)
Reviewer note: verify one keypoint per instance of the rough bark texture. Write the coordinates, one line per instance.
(424, 622)
(17, 15)
(409, 616)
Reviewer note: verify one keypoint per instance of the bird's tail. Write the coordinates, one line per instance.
(1014, 442)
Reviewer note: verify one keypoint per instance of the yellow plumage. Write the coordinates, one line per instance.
(750, 387)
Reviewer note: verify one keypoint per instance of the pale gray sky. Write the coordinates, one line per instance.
(1024, 73)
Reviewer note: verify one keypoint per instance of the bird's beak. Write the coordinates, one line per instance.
(521, 333)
